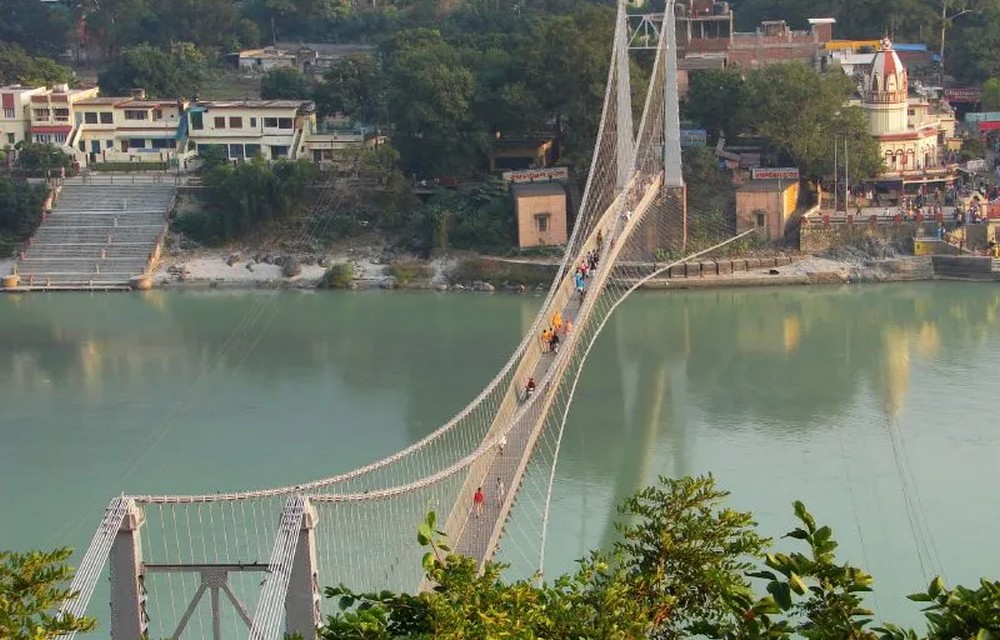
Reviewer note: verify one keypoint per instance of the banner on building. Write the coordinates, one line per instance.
(983, 116)
(536, 175)
(779, 173)
(749, 160)
(694, 138)
(962, 94)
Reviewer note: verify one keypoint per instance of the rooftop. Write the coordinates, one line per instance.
(766, 186)
(256, 104)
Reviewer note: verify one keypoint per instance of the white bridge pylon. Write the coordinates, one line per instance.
(251, 563)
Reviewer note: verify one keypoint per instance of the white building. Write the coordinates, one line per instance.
(911, 132)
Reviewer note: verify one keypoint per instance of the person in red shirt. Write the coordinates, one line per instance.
(478, 500)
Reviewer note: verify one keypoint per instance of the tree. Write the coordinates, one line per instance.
(991, 94)
(802, 112)
(721, 101)
(17, 67)
(35, 26)
(284, 83)
(40, 157)
(353, 85)
(31, 589)
(686, 565)
(116, 24)
(430, 92)
(205, 23)
(172, 74)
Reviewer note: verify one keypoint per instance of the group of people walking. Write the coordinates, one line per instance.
(479, 497)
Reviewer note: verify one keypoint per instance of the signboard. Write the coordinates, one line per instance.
(694, 137)
(962, 94)
(980, 116)
(536, 175)
(780, 173)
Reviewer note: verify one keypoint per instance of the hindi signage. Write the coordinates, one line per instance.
(536, 175)
(987, 116)
(771, 173)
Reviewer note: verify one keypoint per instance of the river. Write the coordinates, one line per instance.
(875, 405)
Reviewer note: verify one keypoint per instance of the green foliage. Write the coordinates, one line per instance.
(20, 211)
(685, 566)
(721, 101)
(972, 149)
(285, 83)
(32, 588)
(405, 271)
(245, 197)
(337, 276)
(17, 67)
(353, 85)
(801, 112)
(34, 26)
(991, 94)
(168, 74)
(480, 218)
(42, 157)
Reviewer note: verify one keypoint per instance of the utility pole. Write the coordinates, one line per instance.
(836, 172)
(847, 180)
(944, 26)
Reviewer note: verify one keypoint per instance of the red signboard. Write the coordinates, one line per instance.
(962, 94)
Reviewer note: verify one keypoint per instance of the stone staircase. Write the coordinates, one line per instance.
(97, 237)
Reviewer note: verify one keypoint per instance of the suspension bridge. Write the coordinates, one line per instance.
(251, 563)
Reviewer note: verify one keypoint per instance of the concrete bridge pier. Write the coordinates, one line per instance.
(128, 593)
(302, 601)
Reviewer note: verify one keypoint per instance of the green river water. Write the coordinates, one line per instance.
(876, 405)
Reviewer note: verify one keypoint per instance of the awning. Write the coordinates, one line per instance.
(61, 128)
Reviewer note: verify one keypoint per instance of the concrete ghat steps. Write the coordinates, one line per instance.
(96, 237)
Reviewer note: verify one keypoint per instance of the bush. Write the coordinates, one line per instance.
(201, 227)
(291, 267)
(338, 276)
(40, 157)
(405, 271)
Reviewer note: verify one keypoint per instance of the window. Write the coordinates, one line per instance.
(235, 151)
(253, 150)
(284, 123)
(279, 151)
(220, 123)
(59, 137)
(90, 117)
(8, 112)
(253, 123)
(41, 114)
(109, 144)
(43, 138)
(758, 220)
(542, 221)
(136, 114)
(235, 122)
(197, 120)
(136, 143)
(10, 138)
(157, 114)
(270, 123)
(83, 145)
(164, 143)
(62, 114)
(107, 117)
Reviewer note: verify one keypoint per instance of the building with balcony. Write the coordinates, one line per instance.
(272, 129)
(51, 120)
(15, 113)
(128, 129)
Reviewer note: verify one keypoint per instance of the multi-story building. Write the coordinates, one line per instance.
(110, 129)
(245, 128)
(52, 113)
(133, 129)
(15, 113)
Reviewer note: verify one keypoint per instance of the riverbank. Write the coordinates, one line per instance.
(376, 270)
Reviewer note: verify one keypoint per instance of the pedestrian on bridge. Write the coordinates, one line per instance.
(501, 443)
(478, 500)
(501, 489)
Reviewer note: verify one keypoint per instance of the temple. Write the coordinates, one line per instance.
(911, 132)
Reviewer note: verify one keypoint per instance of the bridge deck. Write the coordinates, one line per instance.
(476, 535)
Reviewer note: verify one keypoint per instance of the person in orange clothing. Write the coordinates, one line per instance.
(546, 339)
(557, 321)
